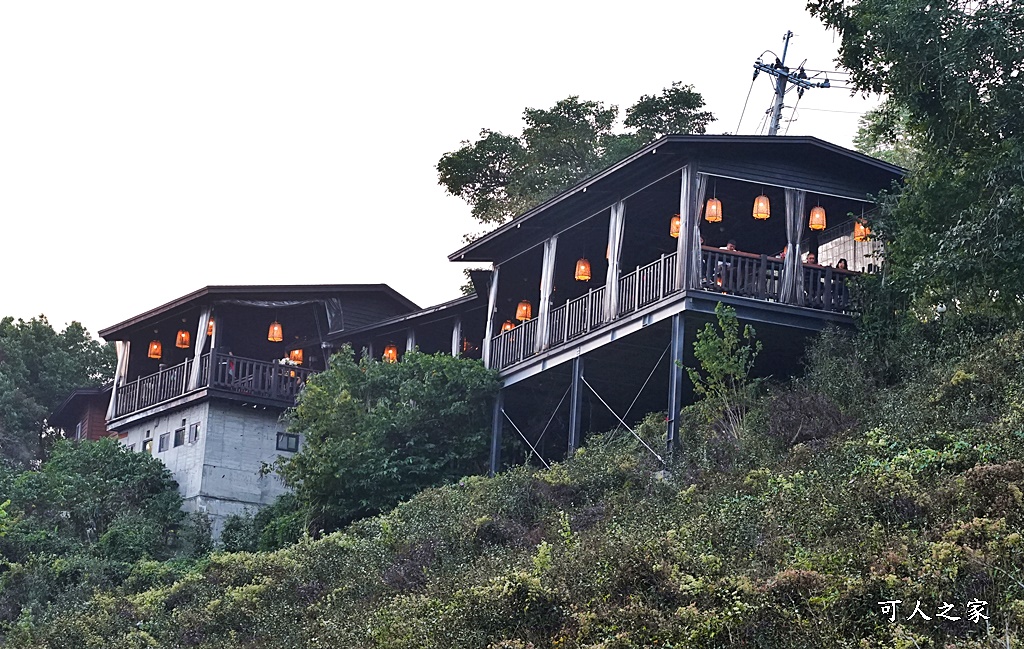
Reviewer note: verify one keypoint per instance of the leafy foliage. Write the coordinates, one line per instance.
(951, 73)
(501, 176)
(376, 433)
(39, 367)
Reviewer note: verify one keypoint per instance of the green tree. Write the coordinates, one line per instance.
(39, 367)
(501, 176)
(376, 433)
(951, 72)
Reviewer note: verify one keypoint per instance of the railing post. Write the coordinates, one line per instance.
(762, 278)
(826, 297)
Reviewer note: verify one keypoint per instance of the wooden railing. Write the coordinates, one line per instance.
(722, 271)
(245, 376)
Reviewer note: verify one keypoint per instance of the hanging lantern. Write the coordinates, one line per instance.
(275, 334)
(675, 226)
(762, 207)
(817, 220)
(861, 231)
(209, 328)
(507, 326)
(156, 350)
(182, 339)
(524, 311)
(583, 270)
(713, 211)
(391, 353)
(295, 355)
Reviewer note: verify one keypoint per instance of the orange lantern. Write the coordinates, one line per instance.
(295, 355)
(156, 350)
(583, 270)
(861, 231)
(675, 226)
(524, 311)
(713, 211)
(181, 341)
(209, 328)
(507, 326)
(817, 220)
(762, 207)
(391, 353)
(275, 334)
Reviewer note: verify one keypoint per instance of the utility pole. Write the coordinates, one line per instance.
(784, 77)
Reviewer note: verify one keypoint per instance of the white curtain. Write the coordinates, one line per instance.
(792, 291)
(547, 284)
(693, 232)
(123, 347)
(616, 226)
(200, 343)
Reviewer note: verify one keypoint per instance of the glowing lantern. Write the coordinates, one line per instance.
(182, 339)
(861, 231)
(156, 350)
(295, 355)
(507, 326)
(275, 334)
(713, 211)
(762, 207)
(583, 270)
(524, 311)
(675, 226)
(817, 220)
(209, 328)
(391, 353)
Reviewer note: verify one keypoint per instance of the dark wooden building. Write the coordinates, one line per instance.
(665, 235)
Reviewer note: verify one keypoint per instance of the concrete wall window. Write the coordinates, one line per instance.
(179, 437)
(131, 448)
(147, 446)
(165, 442)
(193, 433)
(287, 442)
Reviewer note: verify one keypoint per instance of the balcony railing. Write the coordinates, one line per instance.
(244, 376)
(722, 271)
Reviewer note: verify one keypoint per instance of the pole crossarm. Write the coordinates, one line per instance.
(546, 465)
(624, 424)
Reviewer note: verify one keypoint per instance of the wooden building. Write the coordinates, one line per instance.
(202, 381)
(662, 237)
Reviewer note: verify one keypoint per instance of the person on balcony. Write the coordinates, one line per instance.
(841, 265)
(812, 259)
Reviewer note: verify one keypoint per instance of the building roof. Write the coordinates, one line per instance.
(63, 415)
(271, 292)
(802, 162)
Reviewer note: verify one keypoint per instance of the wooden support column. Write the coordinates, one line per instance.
(497, 421)
(575, 404)
(616, 226)
(492, 307)
(457, 337)
(675, 382)
(369, 350)
(410, 339)
(547, 283)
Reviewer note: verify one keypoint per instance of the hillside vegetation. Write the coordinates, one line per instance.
(861, 483)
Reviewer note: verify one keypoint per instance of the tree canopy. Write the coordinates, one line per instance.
(39, 367)
(376, 433)
(502, 175)
(951, 72)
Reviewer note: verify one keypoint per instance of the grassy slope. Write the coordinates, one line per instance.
(779, 547)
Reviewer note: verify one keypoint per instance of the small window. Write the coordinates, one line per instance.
(287, 442)
(131, 448)
(147, 446)
(165, 442)
(179, 437)
(193, 433)
(78, 430)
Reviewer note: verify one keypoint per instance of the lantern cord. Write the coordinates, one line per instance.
(553, 413)
(642, 387)
(640, 439)
(546, 465)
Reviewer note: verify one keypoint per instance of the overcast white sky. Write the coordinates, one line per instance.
(149, 149)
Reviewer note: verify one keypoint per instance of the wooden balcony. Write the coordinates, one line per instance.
(758, 277)
(267, 381)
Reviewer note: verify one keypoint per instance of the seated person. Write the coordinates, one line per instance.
(841, 265)
(812, 259)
